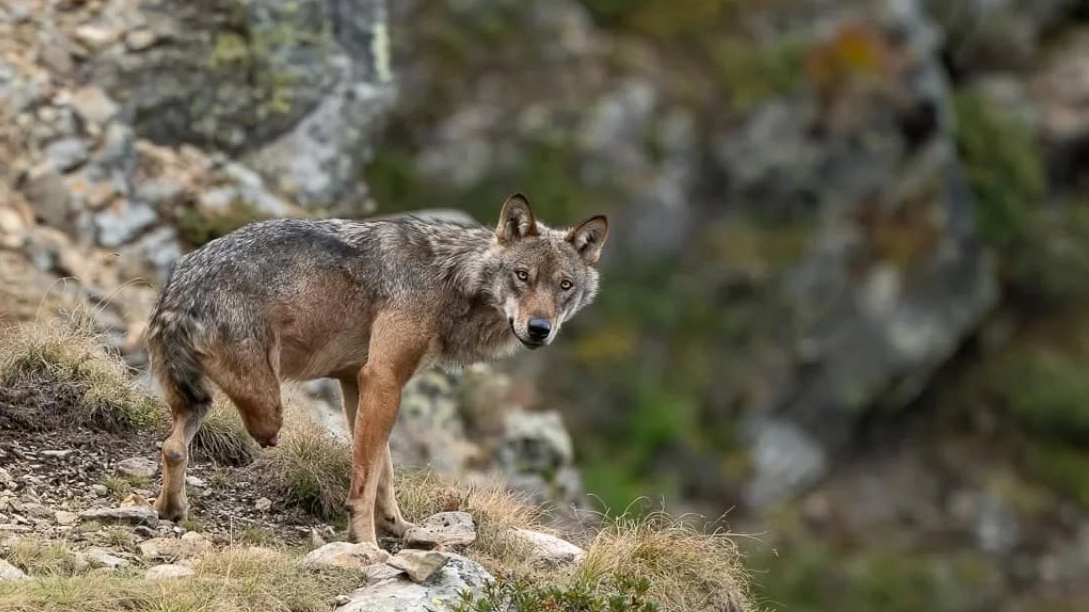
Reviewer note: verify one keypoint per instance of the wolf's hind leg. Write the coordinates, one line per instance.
(172, 504)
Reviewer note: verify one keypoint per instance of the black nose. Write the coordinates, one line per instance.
(538, 328)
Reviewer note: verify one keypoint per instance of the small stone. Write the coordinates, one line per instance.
(193, 481)
(264, 504)
(57, 454)
(341, 600)
(5, 477)
(10, 572)
(67, 153)
(99, 490)
(65, 519)
(135, 498)
(94, 37)
(160, 572)
(45, 188)
(138, 467)
(418, 564)
(120, 224)
(138, 40)
(172, 550)
(100, 557)
(37, 510)
(131, 515)
(442, 530)
(344, 555)
(144, 531)
(548, 550)
(93, 105)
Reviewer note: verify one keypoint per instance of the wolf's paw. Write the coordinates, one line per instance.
(394, 527)
(171, 509)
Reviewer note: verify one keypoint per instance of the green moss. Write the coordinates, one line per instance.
(1004, 165)
(1062, 468)
(751, 72)
(198, 228)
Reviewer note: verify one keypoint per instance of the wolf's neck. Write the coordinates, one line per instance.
(466, 259)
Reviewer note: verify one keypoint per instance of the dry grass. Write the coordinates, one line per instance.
(689, 569)
(222, 437)
(59, 373)
(230, 580)
(41, 557)
(311, 467)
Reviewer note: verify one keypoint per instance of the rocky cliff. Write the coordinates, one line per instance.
(843, 296)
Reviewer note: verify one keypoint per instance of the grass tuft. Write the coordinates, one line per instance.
(222, 437)
(689, 569)
(230, 580)
(311, 468)
(56, 373)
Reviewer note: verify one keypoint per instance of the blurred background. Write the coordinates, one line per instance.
(845, 299)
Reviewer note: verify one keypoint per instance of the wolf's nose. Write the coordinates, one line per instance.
(538, 328)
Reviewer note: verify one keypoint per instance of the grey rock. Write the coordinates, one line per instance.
(46, 190)
(93, 105)
(343, 555)
(119, 225)
(399, 595)
(190, 545)
(68, 154)
(132, 515)
(547, 550)
(168, 571)
(100, 557)
(10, 572)
(418, 564)
(65, 519)
(137, 467)
(441, 530)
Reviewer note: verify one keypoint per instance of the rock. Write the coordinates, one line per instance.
(171, 550)
(5, 477)
(193, 481)
(132, 515)
(100, 557)
(123, 222)
(161, 572)
(65, 519)
(419, 565)
(263, 504)
(37, 510)
(395, 594)
(341, 600)
(138, 467)
(442, 530)
(99, 490)
(10, 572)
(46, 189)
(344, 555)
(95, 37)
(68, 154)
(57, 454)
(138, 40)
(93, 105)
(548, 550)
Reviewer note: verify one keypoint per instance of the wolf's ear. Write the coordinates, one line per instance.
(516, 220)
(588, 237)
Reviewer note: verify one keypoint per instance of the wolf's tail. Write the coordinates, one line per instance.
(175, 360)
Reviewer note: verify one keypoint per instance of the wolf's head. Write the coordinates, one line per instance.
(545, 275)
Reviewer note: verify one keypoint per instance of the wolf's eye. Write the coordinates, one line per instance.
(565, 285)
(522, 275)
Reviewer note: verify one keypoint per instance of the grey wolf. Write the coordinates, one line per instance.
(366, 302)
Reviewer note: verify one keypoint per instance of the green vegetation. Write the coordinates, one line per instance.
(59, 371)
(522, 595)
(198, 228)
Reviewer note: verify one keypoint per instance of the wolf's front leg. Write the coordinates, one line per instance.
(387, 513)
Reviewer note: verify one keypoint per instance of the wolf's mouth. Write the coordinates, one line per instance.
(529, 344)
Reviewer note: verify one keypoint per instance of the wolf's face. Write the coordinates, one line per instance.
(545, 275)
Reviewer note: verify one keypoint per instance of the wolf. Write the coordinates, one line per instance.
(366, 302)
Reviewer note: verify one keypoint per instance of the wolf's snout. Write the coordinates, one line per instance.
(538, 329)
